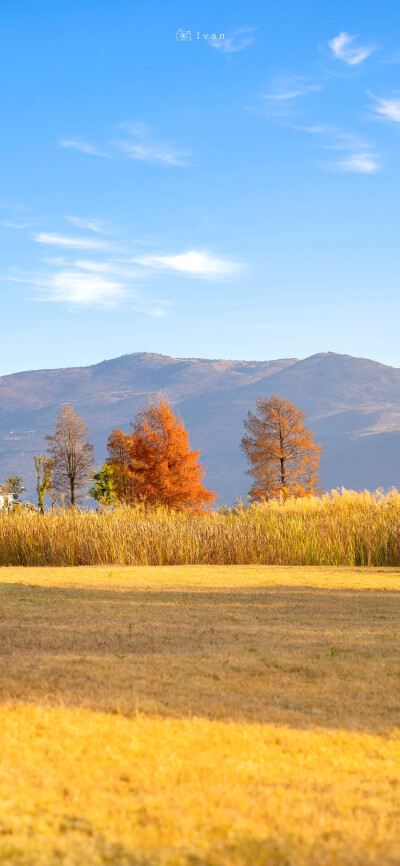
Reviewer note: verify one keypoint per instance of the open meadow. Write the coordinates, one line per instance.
(200, 716)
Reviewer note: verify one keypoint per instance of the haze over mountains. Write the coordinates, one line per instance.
(353, 404)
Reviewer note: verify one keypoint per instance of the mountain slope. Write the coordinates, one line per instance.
(352, 403)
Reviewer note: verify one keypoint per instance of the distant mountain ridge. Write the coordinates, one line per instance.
(353, 404)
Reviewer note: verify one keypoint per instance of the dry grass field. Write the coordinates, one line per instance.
(200, 716)
(340, 528)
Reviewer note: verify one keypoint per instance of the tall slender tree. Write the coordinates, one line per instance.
(72, 455)
(154, 463)
(282, 453)
(44, 470)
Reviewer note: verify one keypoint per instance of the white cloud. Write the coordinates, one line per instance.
(291, 88)
(280, 99)
(140, 145)
(317, 129)
(90, 284)
(194, 263)
(361, 163)
(93, 225)
(137, 143)
(236, 41)
(78, 243)
(341, 47)
(359, 154)
(74, 287)
(85, 289)
(339, 139)
(117, 268)
(84, 147)
(100, 276)
(97, 267)
(152, 153)
(13, 225)
(388, 109)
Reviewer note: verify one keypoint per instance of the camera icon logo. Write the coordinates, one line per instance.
(183, 35)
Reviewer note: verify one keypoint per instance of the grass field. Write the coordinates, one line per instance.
(200, 716)
(341, 528)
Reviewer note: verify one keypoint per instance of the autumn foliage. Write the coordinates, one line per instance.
(282, 452)
(154, 463)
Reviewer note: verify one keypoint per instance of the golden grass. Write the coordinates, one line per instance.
(200, 577)
(338, 529)
(256, 644)
(84, 788)
(199, 716)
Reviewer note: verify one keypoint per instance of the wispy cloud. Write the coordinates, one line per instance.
(92, 225)
(387, 109)
(280, 98)
(358, 155)
(97, 267)
(81, 288)
(104, 274)
(119, 269)
(77, 243)
(83, 146)
(136, 141)
(291, 88)
(236, 41)
(342, 48)
(73, 286)
(360, 163)
(15, 225)
(194, 263)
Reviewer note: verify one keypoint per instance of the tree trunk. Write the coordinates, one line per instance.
(283, 476)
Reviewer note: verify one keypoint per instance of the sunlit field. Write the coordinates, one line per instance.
(200, 716)
(344, 528)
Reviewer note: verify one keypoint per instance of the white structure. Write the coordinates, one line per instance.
(6, 497)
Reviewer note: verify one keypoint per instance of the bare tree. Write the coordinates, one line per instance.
(72, 456)
(282, 452)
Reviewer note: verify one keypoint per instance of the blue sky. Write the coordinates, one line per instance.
(235, 197)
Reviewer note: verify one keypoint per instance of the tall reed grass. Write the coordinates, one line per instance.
(340, 528)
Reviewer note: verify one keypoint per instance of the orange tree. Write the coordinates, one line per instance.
(282, 452)
(154, 463)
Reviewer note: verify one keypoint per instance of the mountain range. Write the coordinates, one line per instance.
(353, 404)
